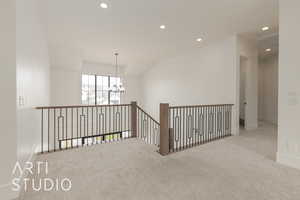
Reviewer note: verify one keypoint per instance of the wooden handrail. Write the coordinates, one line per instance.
(80, 106)
(148, 115)
(195, 106)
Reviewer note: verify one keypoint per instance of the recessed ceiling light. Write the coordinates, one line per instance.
(268, 50)
(103, 5)
(199, 39)
(162, 27)
(265, 28)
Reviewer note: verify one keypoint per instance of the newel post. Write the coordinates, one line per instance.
(164, 129)
(134, 118)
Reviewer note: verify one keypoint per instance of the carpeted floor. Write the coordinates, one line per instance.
(234, 168)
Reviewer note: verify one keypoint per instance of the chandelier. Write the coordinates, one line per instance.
(117, 86)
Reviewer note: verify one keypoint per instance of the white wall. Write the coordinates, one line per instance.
(133, 89)
(24, 84)
(268, 89)
(32, 75)
(289, 84)
(247, 49)
(65, 86)
(68, 79)
(209, 76)
(8, 136)
(206, 76)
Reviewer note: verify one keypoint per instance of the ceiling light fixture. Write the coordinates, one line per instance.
(162, 27)
(117, 87)
(103, 5)
(265, 28)
(268, 50)
(199, 40)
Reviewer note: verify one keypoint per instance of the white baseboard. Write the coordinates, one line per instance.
(236, 130)
(289, 160)
(251, 126)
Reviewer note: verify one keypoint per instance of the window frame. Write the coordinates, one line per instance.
(96, 89)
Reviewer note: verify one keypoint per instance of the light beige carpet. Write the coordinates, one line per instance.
(234, 168)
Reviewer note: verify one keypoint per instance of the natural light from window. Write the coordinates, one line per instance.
(95, 90)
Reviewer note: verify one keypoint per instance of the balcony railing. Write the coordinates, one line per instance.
(187, 126)
(64, 127)
(180, 127)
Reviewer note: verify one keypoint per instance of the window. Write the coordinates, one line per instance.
(95, 90)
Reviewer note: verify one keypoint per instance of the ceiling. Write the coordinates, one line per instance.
(268, 41)
(81, 29)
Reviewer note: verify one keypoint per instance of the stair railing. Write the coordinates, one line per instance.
(147, 127)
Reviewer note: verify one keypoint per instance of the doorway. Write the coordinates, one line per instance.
(243, 96)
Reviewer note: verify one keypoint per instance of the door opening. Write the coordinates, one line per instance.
(243, 99)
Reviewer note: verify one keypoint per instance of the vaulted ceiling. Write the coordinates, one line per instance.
(82, 29)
